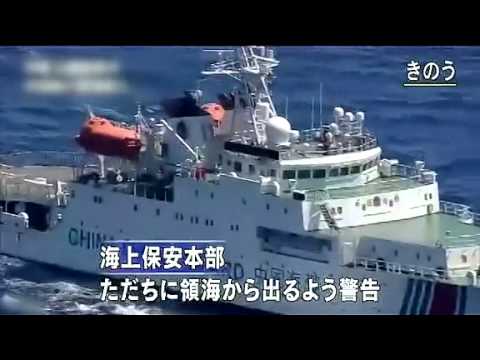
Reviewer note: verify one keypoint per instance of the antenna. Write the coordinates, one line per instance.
(313, 113)
(321, 105)
(286, 108)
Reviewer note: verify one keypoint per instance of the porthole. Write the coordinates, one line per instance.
(418, 256)
(176, 216)
(357, 203)
(285, 211)
(100, 200)
(332, 210)
(211, 222)
(135, 207)
(206, 222)
(157, 212)
(339, 210)
(464, 258)
(430, 196)
(396, 198)
(196, 219)
(211, 195)
(374, 249)
(429, 258)
(376, 201)
(244, 202)
(231, 227)
(191, 219)
(425, 197)
(236, 227)
(181, 217)
(196, 192)
(390, 203)
(395, 253)
(267, 206)
(364, 207)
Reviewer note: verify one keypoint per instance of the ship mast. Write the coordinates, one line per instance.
(253, 67)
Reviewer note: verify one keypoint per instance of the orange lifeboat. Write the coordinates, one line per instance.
(105, 137)
(216, 111)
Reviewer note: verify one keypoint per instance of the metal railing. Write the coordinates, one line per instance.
(460, 210)
(45, 158)
(369, 142)
(399, 268)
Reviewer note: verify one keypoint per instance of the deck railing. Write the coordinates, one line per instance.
(460, 210)
(416, 270)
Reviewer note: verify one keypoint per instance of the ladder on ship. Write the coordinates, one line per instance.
(332, 224)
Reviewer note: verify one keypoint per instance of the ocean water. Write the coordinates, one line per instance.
(438, 125)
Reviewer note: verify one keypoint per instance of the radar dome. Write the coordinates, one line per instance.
(278, 130)
(334, 129)
(338, 112)
(360, 116)
(349, 116)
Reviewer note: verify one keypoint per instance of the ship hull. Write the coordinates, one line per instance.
(74, 243)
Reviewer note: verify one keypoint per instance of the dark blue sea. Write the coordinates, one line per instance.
(438, 125)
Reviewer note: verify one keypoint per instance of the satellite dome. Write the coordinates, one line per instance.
(349, 116)
(278, 130)
(360, 116)
(338, 112)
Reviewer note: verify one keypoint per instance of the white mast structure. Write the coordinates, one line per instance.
(252, 66)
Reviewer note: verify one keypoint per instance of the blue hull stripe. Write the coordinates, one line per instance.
(426, 298)
(406, 298)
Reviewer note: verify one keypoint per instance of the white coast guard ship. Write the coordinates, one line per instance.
(289, 204)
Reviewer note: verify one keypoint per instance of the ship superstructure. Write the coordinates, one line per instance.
(288, 203)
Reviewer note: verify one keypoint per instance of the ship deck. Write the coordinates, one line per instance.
(377, 186)
(437, 229)
(51, 173)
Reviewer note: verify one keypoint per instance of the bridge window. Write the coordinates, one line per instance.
(333, 172)
(344, 171)
(251, 169)
(289, 174)
(355, 169)
(319, 173)
(304, 174)
(339, 210)
(237, 166)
